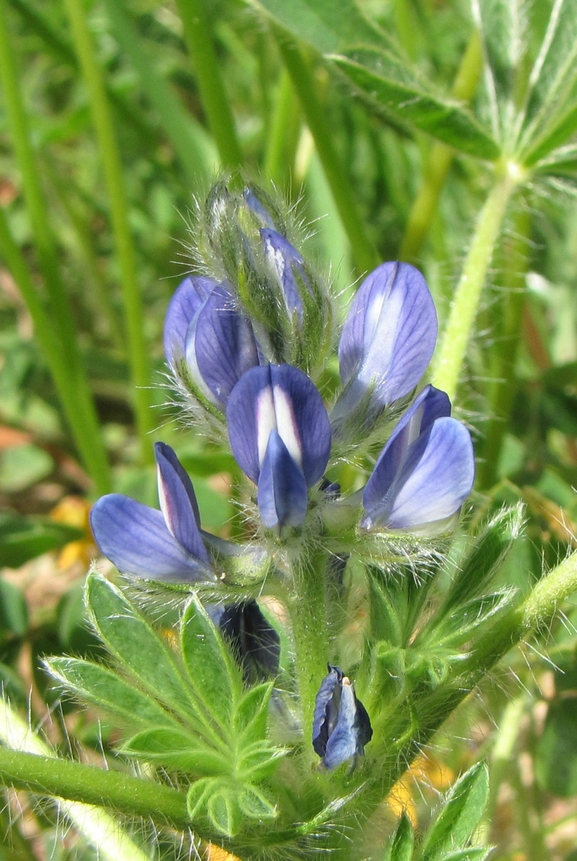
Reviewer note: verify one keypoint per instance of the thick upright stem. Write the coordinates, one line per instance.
(310, 638)
(501, 389)
(451, 354)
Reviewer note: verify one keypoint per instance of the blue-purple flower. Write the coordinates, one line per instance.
(205, 330)
(280, 435)
(288, 268)
(341, 725)
(387, 340)
(159, 545)
(425, 471)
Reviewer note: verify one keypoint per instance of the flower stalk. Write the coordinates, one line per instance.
(448, 363)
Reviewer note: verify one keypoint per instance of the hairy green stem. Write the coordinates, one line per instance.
(89, 443)
(87, 784)
(440, 158)
(310, 632)
(501, 388)
(31, 764)
(450, 356)
(114, 177)
(364, 253)
(210, 83)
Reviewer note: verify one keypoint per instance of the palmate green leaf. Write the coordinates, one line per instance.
(329, 27)
(473, 853)
(552, 85)
(99, 686)
(456, 629)
(483, 561)
(460, 815)
(138, 648)
(215, 676)
(179, 750)
(251, 714)
(562, 162)
(502, 25)
(440, 117)
(555, 137)
(400, 845)
(371, 61)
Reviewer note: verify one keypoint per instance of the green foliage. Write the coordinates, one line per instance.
(462, 810)
(24, 538)
(184, 710)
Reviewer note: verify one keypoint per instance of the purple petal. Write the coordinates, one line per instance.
(324, 720)
(256, 207)
(224, 345)
(282, 490)
(389, 335)
(344, 742)
(284, 260)
(432, 484)
(187, 300)
(281, 398)
(135, 538)
(178, 502)
(341, 725)
(428, 406)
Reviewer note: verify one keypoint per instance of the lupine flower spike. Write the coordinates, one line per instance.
(159, 545)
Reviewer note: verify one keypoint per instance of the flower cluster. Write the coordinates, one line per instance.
(246, 346)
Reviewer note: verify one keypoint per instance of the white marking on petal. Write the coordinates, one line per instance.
(266, 421)
(286, 424)
(164, 500)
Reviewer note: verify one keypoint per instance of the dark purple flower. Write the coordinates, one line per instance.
(387, 340)
(425, 471)
(341, 725)
(280, 435)
(158, 545)
(216, 341)
(288, 267)
(254, 641)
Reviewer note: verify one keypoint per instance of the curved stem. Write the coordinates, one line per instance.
(113, 173)
(449, 360)
(210, 84)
